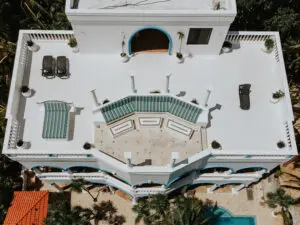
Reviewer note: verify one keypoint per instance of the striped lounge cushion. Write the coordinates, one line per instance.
(55, 120)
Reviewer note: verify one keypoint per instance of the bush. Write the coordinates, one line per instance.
(72, 42)
(269, 44)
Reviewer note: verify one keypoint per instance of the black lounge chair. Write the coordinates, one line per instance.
(244, 93)
(48, 67)
(62, 67)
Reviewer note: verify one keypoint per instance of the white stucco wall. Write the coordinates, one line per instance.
(103, 33)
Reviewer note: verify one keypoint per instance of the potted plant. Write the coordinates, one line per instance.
(269, 45)
(179, 54)
(280, 144)
(87, 146)
(277, 96)
(26, 91)
(32, 46)
(216, 145)
(124, 56)
(195, 101)
(22, 144)
(227, 47)
(73, 44)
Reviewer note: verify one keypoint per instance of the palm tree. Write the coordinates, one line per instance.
(192, 211)
(157, 210)
(104, 211)
(78, 185)
(153, 210)
(63, 214)
(279, 198)
(295, 180)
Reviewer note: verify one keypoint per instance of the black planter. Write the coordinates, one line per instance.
(30, 43)
(87, 146)
(215, 145)
(24, 89)
(280, 144)
(227, 44)
(20, 143)
(179, 55)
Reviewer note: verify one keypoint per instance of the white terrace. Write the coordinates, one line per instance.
(255, 131)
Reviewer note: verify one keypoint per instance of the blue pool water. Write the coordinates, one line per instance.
(235, 221)
(227, 219)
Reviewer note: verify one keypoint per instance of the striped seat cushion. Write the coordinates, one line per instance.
(55, 120)
(159, 103)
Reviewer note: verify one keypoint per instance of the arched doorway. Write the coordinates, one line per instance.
(150, 39)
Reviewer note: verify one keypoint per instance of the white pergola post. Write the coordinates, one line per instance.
(212, 188)
(127, 156)
(111, 189)
(134, 200)
(174, 156)
(235, 190)
(133, 84)
(97, 104)
(209, 90)
(168, 83)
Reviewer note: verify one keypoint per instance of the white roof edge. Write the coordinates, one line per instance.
(152, 13)
(290, 113)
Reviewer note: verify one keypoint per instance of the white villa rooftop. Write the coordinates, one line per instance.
(254, 131)
(153, 4)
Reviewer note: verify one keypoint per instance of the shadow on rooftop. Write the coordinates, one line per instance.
(210, 117)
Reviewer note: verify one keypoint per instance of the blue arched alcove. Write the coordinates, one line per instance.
(154, 28)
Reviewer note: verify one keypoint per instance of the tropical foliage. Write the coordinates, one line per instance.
(282, 200)
(78, 185)
(10, 181)
(159, 210)
(63, 214)
(104, 211)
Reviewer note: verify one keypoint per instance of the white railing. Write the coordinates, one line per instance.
(101, 178)
(250, 36)
(14, 134)
(44, 35)
(51, 155)
(288, 135)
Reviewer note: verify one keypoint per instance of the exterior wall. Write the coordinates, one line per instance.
(106, 39)
(160, 175)
(100, 32)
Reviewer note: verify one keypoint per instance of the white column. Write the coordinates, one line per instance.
(174, 156)
(212, 188)
(127, 156)
(133, 84)
(227, 172)
(168, 83)
(112, 190)
(235, 190)
(209, 90)
(134, 200)
(97, 104)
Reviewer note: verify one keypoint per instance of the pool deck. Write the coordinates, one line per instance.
(238, 204)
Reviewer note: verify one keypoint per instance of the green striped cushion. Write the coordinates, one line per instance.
(55, 120)
(158, 103)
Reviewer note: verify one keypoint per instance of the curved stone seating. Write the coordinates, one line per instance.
(129, 105)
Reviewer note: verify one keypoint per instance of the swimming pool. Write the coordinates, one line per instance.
(227, 219)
